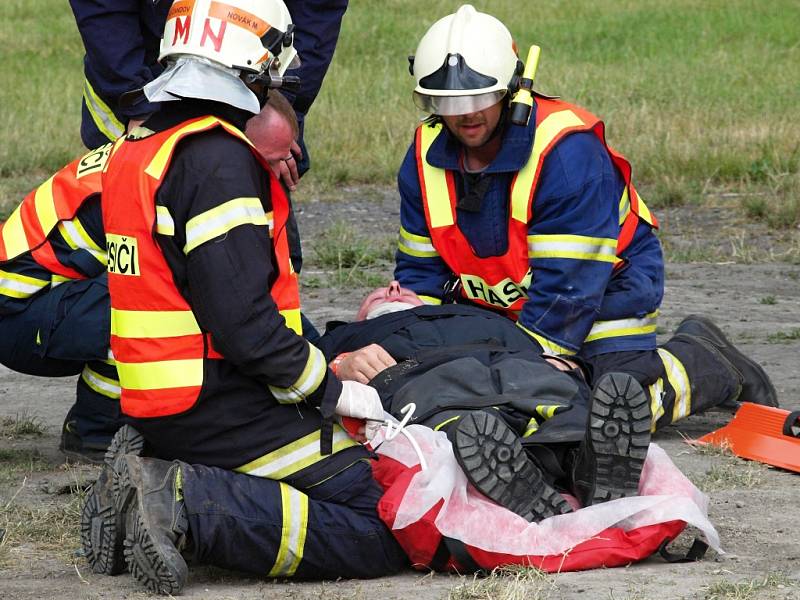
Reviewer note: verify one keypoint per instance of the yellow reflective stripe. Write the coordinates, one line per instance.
(45, 208)
(221, 219)
(548, 346)
(546, 132)
(76, 238)
(624, 206)
(431, 300)
(579, 247)
(90, 244)
(531, 428)
(296, 456)
(621, 327)
(270, 216)
(441, 213)
(58, 279)
(547, 411)
(679, 381)
(165, 225)
(644, 212)
(294, 507)
(102, 385)
(656, 392)
(159, 162)
(446, 421)
(293, 320)
(415, 245)
(14, 235)
(153, 323)
(20, 286)
(101, 114)
(308, 381)
(159, 375)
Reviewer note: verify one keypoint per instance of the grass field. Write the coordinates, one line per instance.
(701, 95)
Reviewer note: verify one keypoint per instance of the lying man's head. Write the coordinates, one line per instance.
(387, 300)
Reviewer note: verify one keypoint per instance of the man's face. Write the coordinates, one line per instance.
(474, 129)
(382, 297)
(272, 137)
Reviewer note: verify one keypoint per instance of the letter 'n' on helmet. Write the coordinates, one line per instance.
(250, 35)
(464, 63)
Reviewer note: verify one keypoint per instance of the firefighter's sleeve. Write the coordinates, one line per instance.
(115, 50)
(418, 265)
(221, 227)
(572, 241)
(21, 280)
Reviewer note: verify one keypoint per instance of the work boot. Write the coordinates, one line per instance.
(156, 525)
(103, 512)
(755, 383)
(611, 456)
(494, 461)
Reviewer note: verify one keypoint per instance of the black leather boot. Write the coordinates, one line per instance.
(494, 461)
(755, 383)
(156, 525)
(103, 513)
(609, 461)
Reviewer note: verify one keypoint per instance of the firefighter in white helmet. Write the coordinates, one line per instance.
(513, 201)
(205, 330)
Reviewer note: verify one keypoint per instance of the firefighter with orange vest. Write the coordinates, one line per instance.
(205, 331)
(515, 202)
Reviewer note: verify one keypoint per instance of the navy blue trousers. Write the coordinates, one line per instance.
(265, 527)
(63, 332)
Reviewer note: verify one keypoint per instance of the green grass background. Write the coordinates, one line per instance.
(701, 96)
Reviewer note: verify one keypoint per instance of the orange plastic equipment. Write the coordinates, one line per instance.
(762, 433)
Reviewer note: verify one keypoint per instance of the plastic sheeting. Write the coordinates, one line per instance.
(665, 495)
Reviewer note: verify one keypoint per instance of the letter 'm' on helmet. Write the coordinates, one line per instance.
(463, 63)
(249, 35)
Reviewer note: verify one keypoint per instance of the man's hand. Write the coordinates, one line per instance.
(361, 402)
(364, 364)
(285, 168)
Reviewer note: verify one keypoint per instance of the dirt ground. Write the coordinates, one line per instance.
(754, 508)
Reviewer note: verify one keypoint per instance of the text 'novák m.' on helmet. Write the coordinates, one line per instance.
(248, 35)
(464, 63)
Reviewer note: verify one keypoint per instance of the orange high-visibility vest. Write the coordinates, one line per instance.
(156, 340)
(503, 281)
(57, 199)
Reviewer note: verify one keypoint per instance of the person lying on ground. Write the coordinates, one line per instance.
(54, 307)
(513, 201)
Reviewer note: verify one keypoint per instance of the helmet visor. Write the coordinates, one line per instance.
(456, 105)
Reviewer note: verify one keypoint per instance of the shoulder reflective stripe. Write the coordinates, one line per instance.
(624, 206)
(164, 223)
(572, 246)
(546, 132)
(221, 219)
(548, 346)
(431, 300)
(644, 212)
(294, 457)
(679, 381)
(531, 428)
(45, 207)
(20, 286)
(656, 392)
(159, 162)
(621, 327)
(76, 238)
(101, 114)
(14, 238)
(102, 385)
(308, 382)
(293, 319)
(436, 191)
(153, 323)
(161, 375)
(294, 508)
(416, 245)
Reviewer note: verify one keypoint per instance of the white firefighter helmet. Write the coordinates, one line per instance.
(464, 63)
(249, 35)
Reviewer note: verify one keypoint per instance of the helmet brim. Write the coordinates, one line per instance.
(446, 106)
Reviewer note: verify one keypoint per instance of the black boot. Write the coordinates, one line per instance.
(494, 461)
(103, 512)
(610, 459)
(156, 525)
(755, 383)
